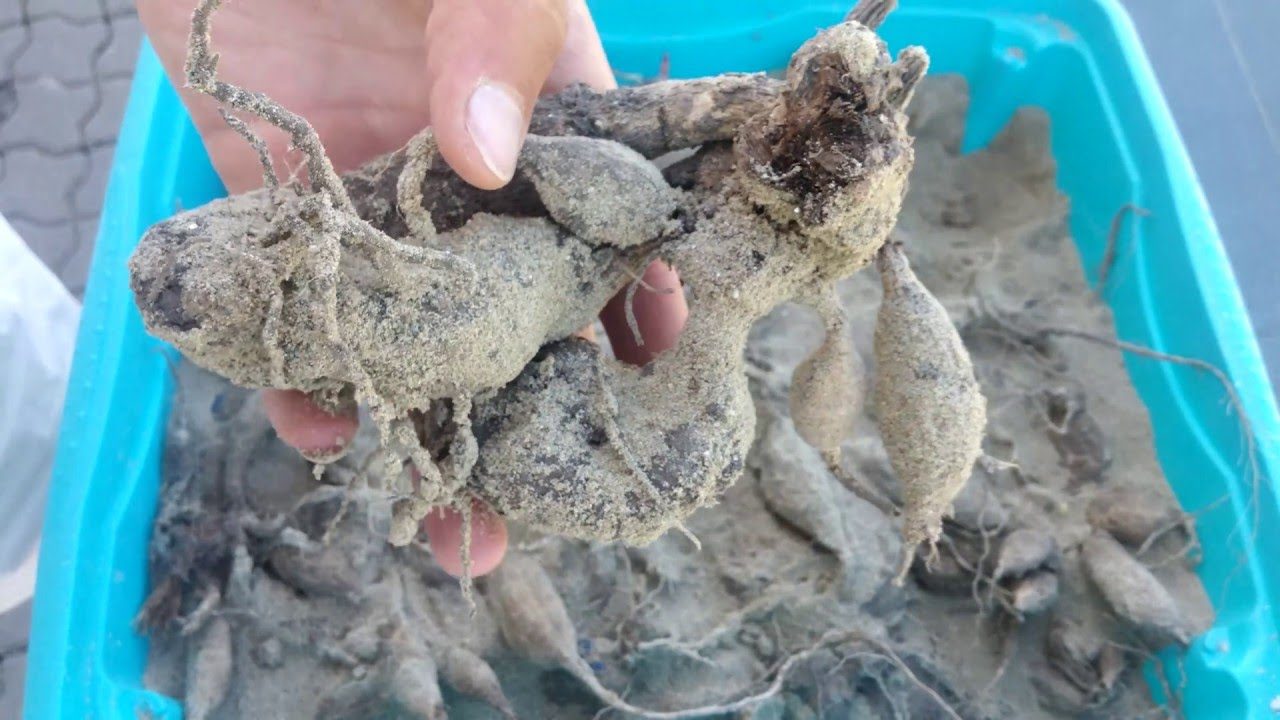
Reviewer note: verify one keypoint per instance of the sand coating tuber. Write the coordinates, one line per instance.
(931, 411)
(445, 309)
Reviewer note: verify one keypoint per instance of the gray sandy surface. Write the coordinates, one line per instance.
(321, 610)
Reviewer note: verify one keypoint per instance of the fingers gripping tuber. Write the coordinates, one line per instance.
(402, 284)
(931, 411)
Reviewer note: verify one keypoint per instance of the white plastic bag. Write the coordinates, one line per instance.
(38, 321)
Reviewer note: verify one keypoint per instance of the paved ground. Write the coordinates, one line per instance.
(64, 77)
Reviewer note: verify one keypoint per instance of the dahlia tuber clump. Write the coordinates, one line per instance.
(450, 311)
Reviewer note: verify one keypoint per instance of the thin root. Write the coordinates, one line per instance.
(832, 637)
(688, 534)
(196, 619)
(419, 153)
(465, 582)
(380, 242)
(269, 179)
(978, 576)
(628, 305)
(863, 490)
(1233, 397)
(1007, 653)
(202, 75)
(337, 518)
(732, 623)
(1113, 237)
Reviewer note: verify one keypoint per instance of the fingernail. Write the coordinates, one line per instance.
(496, 125)
(326, 455)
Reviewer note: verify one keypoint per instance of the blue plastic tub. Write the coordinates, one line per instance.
(1114, 141)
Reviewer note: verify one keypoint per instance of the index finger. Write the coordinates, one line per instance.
(487, 62)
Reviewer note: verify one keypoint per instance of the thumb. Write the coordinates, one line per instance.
(486, 62)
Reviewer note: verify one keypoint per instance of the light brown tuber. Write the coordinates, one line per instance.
(1135, 595)
(401, 287)
(931, 411)
(828, 389)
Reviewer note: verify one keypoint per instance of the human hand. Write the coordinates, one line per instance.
(368, 80)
